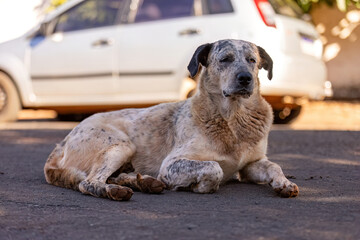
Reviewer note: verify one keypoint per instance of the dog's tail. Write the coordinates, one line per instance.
(67, 178)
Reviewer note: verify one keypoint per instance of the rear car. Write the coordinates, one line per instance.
(96, 55)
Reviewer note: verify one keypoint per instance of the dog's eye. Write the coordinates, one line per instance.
(251, 60)
(227, 59)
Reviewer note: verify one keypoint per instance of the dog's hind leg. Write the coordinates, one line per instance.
(143, 183)
(264, 171)
(62, 177)
(108, 161)
(196, 176)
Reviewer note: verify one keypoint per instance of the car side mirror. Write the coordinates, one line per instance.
(39, 35)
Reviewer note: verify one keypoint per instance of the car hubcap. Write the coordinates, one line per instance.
(3, 98)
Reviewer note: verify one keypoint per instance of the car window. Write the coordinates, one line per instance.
(89, 14)
(287, 8)
(217, 6)
(152, 10)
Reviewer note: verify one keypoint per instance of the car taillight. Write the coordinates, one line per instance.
(266, 12)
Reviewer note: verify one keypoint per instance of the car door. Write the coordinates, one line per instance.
(77, 63)
(155, 48)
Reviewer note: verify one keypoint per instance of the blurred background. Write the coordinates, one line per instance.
(79, 57)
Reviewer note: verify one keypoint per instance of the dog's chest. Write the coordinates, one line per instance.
(234, 144)
(233, 137)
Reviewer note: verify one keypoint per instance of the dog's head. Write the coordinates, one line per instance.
(232, 67)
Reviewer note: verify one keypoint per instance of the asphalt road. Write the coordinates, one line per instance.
(324, 164)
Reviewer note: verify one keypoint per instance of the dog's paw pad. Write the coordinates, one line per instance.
(288, 191)
(149, 184)
(119, 193)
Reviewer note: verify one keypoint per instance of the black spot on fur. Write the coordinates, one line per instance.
(186, 166)
(246, 48)
(223, 44)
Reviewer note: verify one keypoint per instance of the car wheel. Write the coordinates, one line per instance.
(9, 99)
(286, 115)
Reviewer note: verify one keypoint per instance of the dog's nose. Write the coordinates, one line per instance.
(244, 78)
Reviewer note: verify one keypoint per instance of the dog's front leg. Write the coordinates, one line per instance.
(264, 171)
(197, 176)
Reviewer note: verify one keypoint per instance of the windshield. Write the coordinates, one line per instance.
(287, 8)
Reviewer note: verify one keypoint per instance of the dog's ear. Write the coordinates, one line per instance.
(265, 62)
(200, 57)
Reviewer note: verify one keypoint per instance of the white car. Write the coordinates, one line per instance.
(92, 55)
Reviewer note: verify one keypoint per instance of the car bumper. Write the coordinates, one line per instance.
(297, 76)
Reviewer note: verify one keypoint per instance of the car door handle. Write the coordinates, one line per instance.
(102, 43)
(189, 31)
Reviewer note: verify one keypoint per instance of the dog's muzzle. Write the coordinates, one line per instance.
(245, 93)
(242, 86)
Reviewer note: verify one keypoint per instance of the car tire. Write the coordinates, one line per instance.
(74, 117)
(286, 115)
(9, 99)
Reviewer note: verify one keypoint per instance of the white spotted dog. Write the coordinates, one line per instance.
(196, 144)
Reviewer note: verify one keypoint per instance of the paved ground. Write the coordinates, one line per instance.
(325, 165)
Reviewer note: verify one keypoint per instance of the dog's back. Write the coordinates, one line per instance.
(152, 129)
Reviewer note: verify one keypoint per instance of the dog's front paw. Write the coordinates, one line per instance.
(119, 193)
(149, 184)
(288, 190)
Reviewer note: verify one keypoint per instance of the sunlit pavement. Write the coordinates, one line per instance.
(327, 115)
(321, 156)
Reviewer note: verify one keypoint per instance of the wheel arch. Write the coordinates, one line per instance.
(15, 69)
(15, 84)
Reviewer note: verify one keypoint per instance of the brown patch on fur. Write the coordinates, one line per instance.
(119, 193)
(289, 191)
(149, 184)
(63, 178)
(146, 184)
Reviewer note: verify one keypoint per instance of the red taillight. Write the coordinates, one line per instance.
(266, 12)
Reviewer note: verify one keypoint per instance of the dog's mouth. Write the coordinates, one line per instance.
(244, 93)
